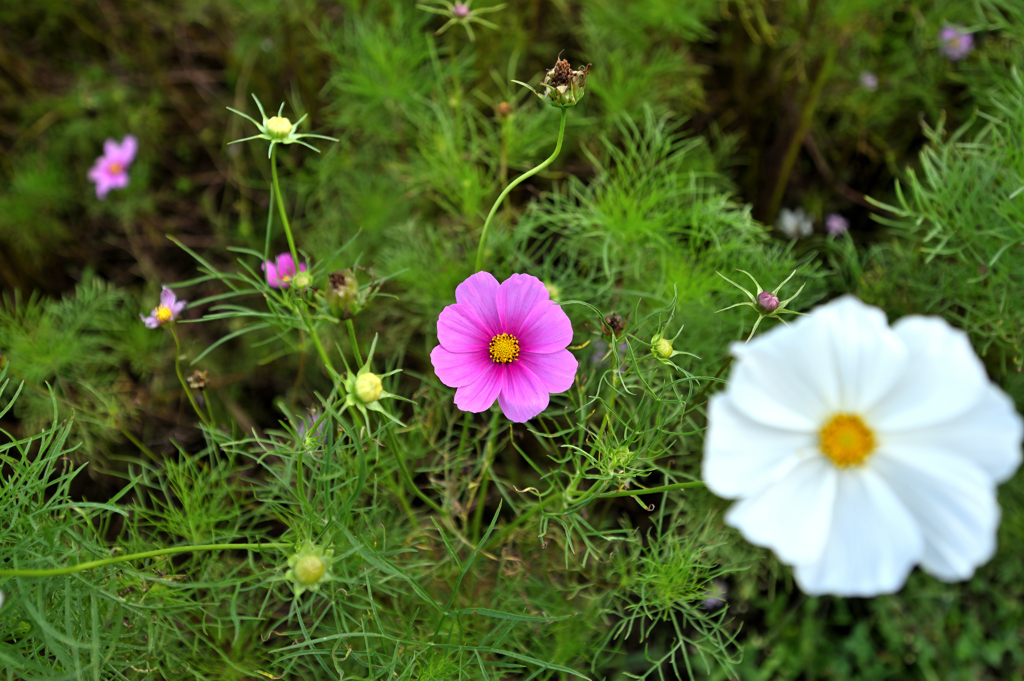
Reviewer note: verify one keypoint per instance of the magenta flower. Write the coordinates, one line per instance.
(868, 81)
(506, 342)
(955, 42)
(461, 10)
(110, 171)
(167, 311)
(281, 270)
(836, 224)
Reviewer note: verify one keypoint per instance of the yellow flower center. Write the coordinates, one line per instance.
(504, 348)
(115, 168)
(164, 314)
(846, 440)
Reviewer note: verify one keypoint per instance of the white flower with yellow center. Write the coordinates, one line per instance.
(858, 450)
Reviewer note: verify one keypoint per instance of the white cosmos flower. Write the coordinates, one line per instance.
(857, 450)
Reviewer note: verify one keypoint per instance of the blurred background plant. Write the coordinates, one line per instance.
(466, 547)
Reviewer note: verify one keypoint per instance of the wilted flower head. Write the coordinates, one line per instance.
(110, 171)
(795, 223)
(343, 296)
(461, 13)
(278, 129)
(281, 270)
(954, 42)
(836, 224)
(167, 311)
(504, 342)
(868, 81)
(563, 86)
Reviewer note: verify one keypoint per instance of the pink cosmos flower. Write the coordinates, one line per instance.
(506, 342)
(110, 171)
(836, 224)
(281, 270)
(461, 10)
(167, 311)
(955, 42)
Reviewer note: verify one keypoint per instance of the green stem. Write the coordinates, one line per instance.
(804, 125)
(529, 173)
(181, 378)
(320, 350)
(281, 209)
(651, 490)
(355, 343)
(53, 572)
(400, 459)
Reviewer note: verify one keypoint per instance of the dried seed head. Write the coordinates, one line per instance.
(615, 324)
(198, 379)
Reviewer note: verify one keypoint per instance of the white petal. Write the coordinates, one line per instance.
(742, 456)
(792, 515)
(953, 501)
(873, 542)
(943, 377)
(989, 435)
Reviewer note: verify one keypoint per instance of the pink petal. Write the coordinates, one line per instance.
(479, 396)
(458, 369)
(150, 321)
(477, 293)
(549, 330)
(523, 395)
(520, 299)
(167, 297)
(126, 152)
(556, 371)
(111, 149)
(460, 329)
(177, 308)
(117, 180)
(285, 265)
(272, 279)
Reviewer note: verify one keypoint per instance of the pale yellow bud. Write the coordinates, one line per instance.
(309, 570)
(278, 127)
(663, 348)
(369, 387)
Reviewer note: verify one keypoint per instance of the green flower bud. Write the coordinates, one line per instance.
(662, 347)
(279, 127)
(368, 387)
(309, 570)
(302, 280)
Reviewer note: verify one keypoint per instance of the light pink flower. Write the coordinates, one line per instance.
(504, 341)
(955, 42)
(836, 224)
(281, 270)
(167, 311)
(461, 10)
(110, 171)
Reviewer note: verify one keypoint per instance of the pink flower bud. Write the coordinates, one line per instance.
(769, 302)
(461, 10)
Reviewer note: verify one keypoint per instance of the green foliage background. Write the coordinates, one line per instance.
(464, 547)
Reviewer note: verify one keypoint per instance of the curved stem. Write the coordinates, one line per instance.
(651, 490)
(320, 349)
(53, 572)
(181, 379)
(529, 173)
(281, 209)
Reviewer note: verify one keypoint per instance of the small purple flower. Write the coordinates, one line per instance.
(836, 224)
(955, 42)
(715, 595)
(461, 10)
(110, 171)
(868, 81)
(504, 341)
(167, 311)
(281, 270)
(769, 302)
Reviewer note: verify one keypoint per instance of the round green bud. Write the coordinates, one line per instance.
(368, 387)
(279, 127)
(309, 570)
(662, 348)
(302, 280)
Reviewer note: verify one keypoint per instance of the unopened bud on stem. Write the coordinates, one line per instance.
(769, 302)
